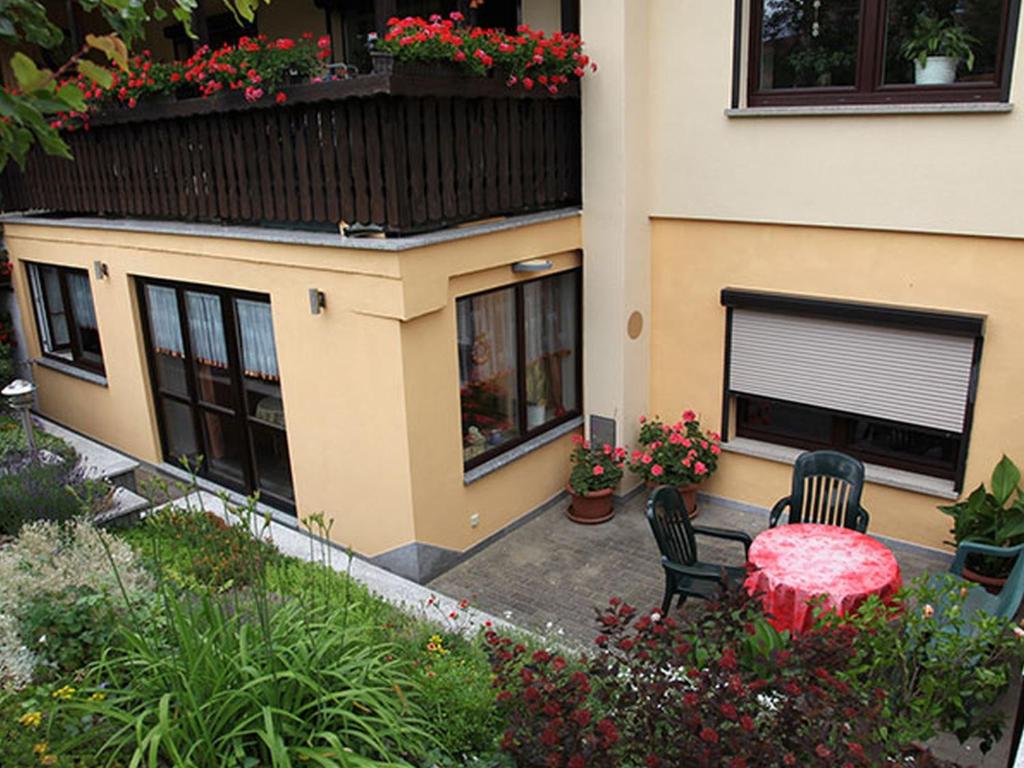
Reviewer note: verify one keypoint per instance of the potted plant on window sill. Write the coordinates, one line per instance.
(937, 46)
(681, 454)
(994, 517)
(595, 473)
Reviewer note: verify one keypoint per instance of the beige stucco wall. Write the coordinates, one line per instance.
(942, 173)
(542, 14)
(694, 260)
(370, 386)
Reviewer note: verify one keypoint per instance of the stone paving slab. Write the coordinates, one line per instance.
(553, 571)
(98, 460)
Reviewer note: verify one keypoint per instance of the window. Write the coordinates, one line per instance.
(868, 52)
(65, 315)
(891, 386)
(519, 363)
(213, 361)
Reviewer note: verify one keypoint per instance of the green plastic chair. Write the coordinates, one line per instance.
(979, 601)
(685, 574)
(826, 489)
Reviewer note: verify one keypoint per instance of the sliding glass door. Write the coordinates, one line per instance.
(213, 361)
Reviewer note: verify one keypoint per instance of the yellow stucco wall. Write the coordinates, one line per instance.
(370, 386)
(693, 260)
(443, 503)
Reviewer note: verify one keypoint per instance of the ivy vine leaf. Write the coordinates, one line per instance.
(30, 78)
(96, 73)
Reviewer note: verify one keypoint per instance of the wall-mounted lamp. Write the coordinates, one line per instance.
(317, 301)
(532, 265)
(99, 270)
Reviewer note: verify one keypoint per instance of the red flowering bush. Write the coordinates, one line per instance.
(593, 468)
(677, 454)
(721, 689)
(257, 66)
(529, 57)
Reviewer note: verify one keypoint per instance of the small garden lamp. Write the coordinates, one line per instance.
(19, 395)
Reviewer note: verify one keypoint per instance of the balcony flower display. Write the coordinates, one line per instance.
(595, 473)
(680, 454)
(529, 58)
(256, 66)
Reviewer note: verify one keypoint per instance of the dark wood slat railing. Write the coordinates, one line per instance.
(407, 154)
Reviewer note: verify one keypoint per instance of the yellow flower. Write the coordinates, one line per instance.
(31, 719)
(41, 748)
(48, 759)
(65, 692)
(98, 696)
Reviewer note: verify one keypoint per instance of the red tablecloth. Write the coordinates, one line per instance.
(791, 564)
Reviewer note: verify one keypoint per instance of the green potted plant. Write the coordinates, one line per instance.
(936, 46)
(595, 473)
(993, 516)
(536, 394)
(680, 454)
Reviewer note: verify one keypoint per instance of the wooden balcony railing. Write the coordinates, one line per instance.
(406, 154)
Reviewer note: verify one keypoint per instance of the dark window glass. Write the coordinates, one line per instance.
(977, 24)
(488, 375)
(180, 430)
(902, 446)
(877, 51)
(65, 315)
(273, 470)
(223, 447)
(809, 44)
(519, 362)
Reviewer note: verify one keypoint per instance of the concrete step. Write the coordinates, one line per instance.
(126, 509)
(98, 460)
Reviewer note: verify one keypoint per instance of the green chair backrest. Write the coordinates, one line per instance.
(1013, 591)
(671, 526)
(827, 487)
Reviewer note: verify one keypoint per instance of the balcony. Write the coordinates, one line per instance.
(391, 153)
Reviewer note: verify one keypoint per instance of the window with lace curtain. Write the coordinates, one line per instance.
(65, 315)
(519, 363)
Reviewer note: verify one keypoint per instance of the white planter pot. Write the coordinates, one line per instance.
(937, 70)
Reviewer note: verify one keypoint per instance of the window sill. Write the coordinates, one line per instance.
(873, 473)
(71, 370)
(853, 110)
(519, 451)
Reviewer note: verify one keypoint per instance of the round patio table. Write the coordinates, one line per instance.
(792, 564)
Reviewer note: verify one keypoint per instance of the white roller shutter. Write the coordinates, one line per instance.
(911, 376)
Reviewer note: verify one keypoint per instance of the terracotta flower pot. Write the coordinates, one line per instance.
(993, 584)
(688, 494)
(591, 508)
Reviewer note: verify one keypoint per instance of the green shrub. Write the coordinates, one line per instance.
(241, 683)
(69, 628)
(198, 550)
(55, 563)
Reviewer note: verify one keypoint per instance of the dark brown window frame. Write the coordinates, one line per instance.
(238, 411)
(868, 88)
(953, 323)
(78, 359)
(520, 329)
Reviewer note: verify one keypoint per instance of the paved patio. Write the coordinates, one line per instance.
(549, 574)
(550, 570)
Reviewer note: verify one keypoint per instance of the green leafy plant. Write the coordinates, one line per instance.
(993, 516)
(934, 36)
(68, 628)
(936, 674)
(593, 468)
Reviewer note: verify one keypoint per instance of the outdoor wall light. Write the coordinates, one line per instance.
(317, 301)
(19, 395)
(99, 270)
(532, 265)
